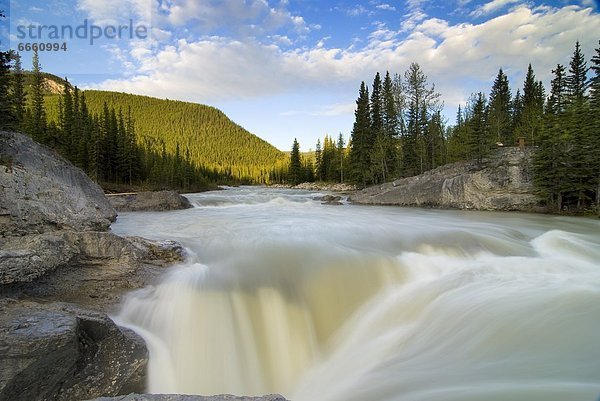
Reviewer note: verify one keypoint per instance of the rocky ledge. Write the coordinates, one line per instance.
(61, 270)
(149, 201)
(501, 182)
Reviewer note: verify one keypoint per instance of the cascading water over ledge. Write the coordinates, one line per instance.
(285, 295)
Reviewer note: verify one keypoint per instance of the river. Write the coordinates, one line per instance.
(331, 303)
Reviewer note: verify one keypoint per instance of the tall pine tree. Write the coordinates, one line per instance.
(361, 146)
(577, 80)
(37, 125)
(295, 171)
(532, 108)
(499, 110)
(7, 118)
(422, 101)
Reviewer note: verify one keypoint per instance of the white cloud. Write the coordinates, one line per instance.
(493, 6)
(414, 16)
(385, 7)
(459, 58)
(112, 12)
(245, 17)
(336, 109)
(356, 11)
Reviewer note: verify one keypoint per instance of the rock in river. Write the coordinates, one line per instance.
(60, 352)
(157, 201)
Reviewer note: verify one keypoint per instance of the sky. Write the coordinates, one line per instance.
(290, 69)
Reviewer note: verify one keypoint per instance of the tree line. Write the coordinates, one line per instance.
(399, 131)
(212, 140)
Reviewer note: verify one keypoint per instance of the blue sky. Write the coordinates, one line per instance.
(291, 69)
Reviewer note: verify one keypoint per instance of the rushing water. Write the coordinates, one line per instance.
(283, 294)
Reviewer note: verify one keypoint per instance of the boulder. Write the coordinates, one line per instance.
(60, 352)
(160, 252)
(157, 201)
(42, 192)
(330, 200)
(179, 397)
(502, 182)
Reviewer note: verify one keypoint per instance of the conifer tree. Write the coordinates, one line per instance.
(551, 162)
(499, 110)
(390, 125)
(594, 134)
(361, 145)
(341, 156)
(436, 147)
(577, 80)
(18, 93)
(582, 129)
(422, 101)
(376, 107)
(295, 174)
(318, 161)
(37, 126)
(558, 91)
(7, 118)
(595, 81)
(531, 109)
(478, 143)
(66, 121)
(377, 134)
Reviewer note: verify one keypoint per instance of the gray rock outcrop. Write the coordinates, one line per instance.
(502, 182)
(158, 201)
(60, 352)
(55, 247)
(179, 397)
(42, 192)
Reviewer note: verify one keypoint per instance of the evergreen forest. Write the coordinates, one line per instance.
(399, 132)
(124, 141)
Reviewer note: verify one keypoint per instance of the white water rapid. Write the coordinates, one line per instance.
(343, 303)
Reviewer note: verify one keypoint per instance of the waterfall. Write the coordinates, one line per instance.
(282, 294)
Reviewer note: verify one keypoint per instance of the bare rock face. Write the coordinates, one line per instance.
(26, 258)
(42, 192)
(502, 182)
(158, 201)
(60, 352)
(179, 397)
(55, 247)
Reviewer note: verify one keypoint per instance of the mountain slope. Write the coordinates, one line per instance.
(211, 138)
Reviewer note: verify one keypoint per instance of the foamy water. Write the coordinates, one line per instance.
(283, 294)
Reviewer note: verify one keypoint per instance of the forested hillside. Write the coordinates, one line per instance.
(211, 138)
(124, 140)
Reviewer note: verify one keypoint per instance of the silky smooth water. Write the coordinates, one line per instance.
(318, 302)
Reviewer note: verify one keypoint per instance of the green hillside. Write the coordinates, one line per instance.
(212, 139)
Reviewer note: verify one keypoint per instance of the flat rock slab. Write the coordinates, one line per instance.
(157, 201)
(179, 397)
